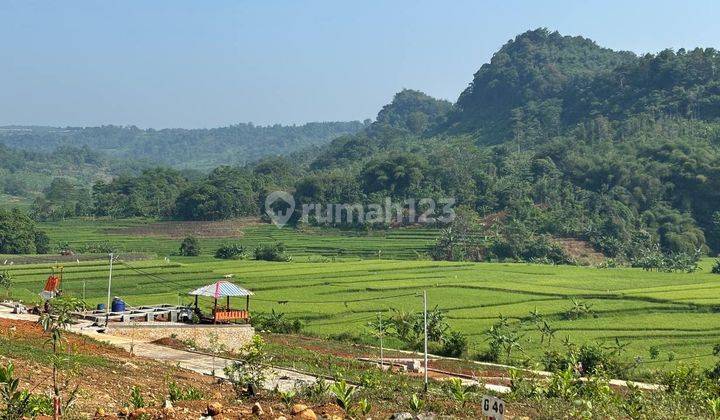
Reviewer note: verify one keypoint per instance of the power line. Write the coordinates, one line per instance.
(152, 275)
(284, 301)
(344, 321)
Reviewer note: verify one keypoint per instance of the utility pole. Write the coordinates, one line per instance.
(426, 338)
(107, 308)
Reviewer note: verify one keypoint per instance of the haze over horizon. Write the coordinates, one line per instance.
(192, 64)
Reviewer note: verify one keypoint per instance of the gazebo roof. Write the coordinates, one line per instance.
(221, 288)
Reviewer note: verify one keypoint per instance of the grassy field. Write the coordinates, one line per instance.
(675, 313)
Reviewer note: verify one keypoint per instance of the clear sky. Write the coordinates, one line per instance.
(209, 63)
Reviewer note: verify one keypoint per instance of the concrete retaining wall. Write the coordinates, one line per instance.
(233, 337)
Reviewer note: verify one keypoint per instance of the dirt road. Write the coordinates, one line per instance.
(281, 379)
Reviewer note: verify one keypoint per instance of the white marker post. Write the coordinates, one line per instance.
(107, 308)
(493, 407)
(426, 338)
(382, 333)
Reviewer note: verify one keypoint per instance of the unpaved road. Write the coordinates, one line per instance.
(282, 379)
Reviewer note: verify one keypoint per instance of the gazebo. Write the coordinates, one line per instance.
(225, 289)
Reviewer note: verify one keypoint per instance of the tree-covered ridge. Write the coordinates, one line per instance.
(683, 84)
(413, 111)
(542, 83)
(526, 79)
(27, 172)
(600, 145)
(556, 138)
(182, 148)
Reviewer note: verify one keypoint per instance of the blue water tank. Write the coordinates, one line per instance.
(101, 307)
(118, 305)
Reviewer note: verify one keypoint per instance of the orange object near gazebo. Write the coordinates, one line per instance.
(227, 290)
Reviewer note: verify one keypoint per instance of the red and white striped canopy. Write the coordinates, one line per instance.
(220, 289)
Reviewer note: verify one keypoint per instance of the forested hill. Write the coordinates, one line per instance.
(568, 138)
(182, 148)
(563, 138)
(543, 83)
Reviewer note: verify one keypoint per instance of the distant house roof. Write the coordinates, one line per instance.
(221, 288)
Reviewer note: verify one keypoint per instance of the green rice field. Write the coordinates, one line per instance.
(141, 236)
(339, 293)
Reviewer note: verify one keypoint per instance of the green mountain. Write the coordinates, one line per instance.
(569, 138)
(527, 80)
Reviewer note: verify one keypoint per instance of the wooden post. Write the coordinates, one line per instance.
(247, 304)
(196, 301)
(214, 310)
(228, 303)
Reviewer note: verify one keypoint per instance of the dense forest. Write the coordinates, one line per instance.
(556, 137)
(201, 149)
(25, 172)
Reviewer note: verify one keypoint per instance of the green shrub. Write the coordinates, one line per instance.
(230, 252)
(190, 247)
(38, 405)
(6, 280)
(136, 398)
(99, 247)
(344, 394)
(502, 338)
(528, 247)
(579, 309)
(19, 235)
(317, 391)
(654, 259)
(587, 359)
(274, 252)
(189, 393)
(276, 322)
(459, 392)
(716, 267)
(42, 242)
(248, 372)
(416, 404)
(287, 397)
(364, 407)
(690, 383)
(13, 400)
(454, 344)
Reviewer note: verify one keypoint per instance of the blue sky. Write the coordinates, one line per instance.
(211, 63)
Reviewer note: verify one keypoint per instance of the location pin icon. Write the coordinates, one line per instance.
(279, 217)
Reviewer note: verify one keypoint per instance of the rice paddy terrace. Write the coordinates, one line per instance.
(163, 238)
(673, 314)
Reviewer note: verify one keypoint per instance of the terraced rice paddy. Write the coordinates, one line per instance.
(675, 313)
(139, 236)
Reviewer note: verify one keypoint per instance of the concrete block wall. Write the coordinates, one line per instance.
(232, 337)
